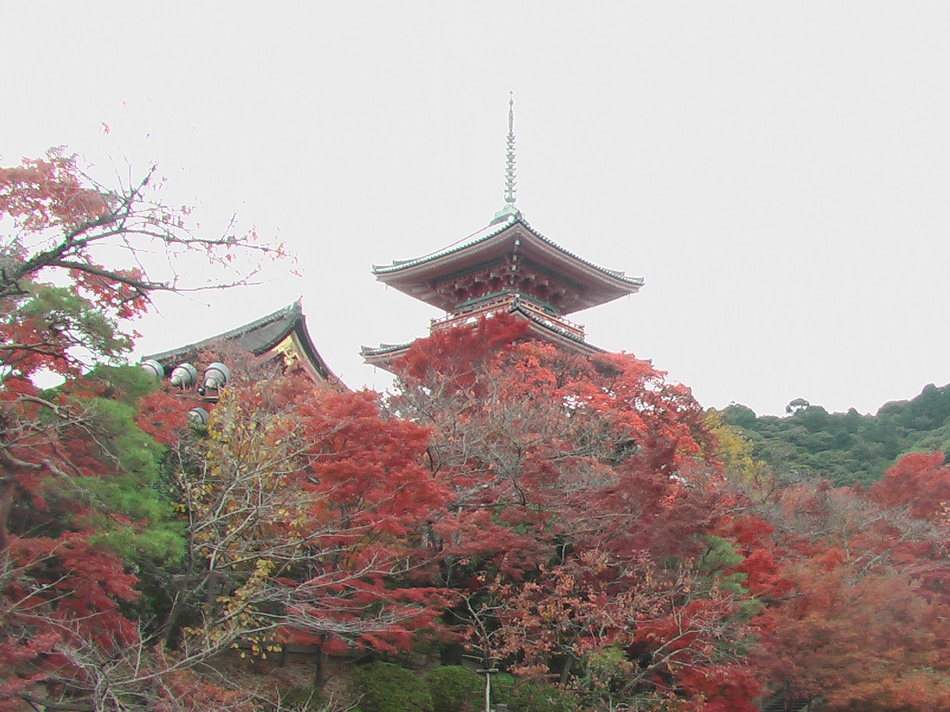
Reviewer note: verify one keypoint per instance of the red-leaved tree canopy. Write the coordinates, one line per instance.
(583, 498)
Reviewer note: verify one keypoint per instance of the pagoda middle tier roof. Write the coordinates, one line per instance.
(589, 283)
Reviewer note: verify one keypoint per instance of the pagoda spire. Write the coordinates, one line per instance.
(510, 153)
(509, 213)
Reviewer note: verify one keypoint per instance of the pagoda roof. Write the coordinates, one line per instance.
(258, 337)
(538, 327)
(591, 284)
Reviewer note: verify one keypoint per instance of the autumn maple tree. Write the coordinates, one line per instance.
(303, 508)
(78, 503)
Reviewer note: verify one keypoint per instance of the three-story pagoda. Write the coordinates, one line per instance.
(506, 267)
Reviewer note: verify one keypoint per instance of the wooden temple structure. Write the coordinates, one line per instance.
(507, 266)
(281, 336)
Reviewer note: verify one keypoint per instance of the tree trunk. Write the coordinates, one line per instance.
(452, 654)
(320, 665)
(566, 669)
(6, 503)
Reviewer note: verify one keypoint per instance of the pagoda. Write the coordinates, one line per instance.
(507, 266)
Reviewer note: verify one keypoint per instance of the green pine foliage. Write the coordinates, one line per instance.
(90, 327)
(127, 384)
(146, 530)
(127, 508)
(502, 686)
(846, 447)
(719, 557)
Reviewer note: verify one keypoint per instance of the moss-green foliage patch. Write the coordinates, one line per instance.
(384, 687)
(456, 689)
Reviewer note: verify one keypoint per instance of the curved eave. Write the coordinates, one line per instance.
(547, 331)
(313, 358)
(383, 355)
(369, 351)
(597, 285)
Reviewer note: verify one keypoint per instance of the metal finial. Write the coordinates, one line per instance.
(509, 213)
(510, 153)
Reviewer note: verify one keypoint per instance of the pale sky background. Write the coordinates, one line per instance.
(778, 172)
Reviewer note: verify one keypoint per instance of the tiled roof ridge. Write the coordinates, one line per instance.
(290, 313)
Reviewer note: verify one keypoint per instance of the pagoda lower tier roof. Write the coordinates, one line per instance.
(518, 245)
(539, 328)
(257, 337)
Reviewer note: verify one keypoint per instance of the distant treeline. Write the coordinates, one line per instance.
(846, 447)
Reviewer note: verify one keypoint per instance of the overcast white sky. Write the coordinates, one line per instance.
(778, 172)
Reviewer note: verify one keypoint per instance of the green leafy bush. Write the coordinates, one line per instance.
(385, 687)
(535, 697)
(455, 689)
(502, 684)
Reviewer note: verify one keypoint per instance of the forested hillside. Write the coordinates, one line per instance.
(846, 447)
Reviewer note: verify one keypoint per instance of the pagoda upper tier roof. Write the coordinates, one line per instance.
(258, 337)
(514, 239)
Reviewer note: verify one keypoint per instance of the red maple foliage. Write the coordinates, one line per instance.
(583, 491)
(864, 620)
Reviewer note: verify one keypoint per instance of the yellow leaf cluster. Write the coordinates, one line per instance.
(734, 451)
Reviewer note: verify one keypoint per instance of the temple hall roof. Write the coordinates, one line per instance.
(258, 337)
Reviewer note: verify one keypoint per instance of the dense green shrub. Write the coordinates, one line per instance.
(535, 697)
(385, 687)
(456, 689)
(502, 685)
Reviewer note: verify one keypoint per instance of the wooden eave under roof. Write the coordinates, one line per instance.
(258, 337)
(591, 284)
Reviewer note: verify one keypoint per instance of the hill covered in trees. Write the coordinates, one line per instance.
(571, 524)
(846, 447)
